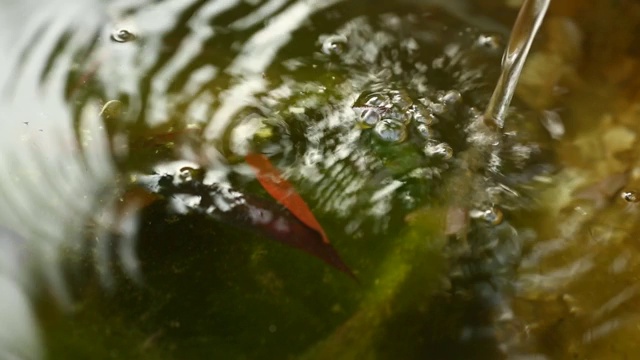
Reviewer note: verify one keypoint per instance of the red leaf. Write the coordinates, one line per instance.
(281, 190)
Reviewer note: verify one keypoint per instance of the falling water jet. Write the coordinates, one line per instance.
(524, 31)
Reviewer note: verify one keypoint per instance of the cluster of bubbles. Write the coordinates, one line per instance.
(392, 113)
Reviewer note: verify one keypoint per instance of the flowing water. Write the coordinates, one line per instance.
(133, 226)
(524, 32)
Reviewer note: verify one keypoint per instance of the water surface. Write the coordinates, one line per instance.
(371, 111)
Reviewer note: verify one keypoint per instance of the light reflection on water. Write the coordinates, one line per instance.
(176, 73)
(51, 186)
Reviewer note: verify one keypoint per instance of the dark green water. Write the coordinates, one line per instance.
(371, 110)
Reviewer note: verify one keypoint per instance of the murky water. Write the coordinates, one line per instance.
(135, 224)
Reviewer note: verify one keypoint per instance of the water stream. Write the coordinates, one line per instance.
(525, 28)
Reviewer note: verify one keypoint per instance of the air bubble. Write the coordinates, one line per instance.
(491, 42)
(122, 36)
(398, 115)
(451, 97)
(188, 173)
(473, 113)
(424, 130)
(421, 115)
(391, 131)
(408, 201)
(493, 216)
(442, 150)
(553, 123)
(377, 100)
(334, 45)
(437, 108)
(111, 110)
(630, 196)
(369, 117)
(400, 100)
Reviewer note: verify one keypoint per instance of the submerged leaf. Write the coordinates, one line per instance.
(281, 190)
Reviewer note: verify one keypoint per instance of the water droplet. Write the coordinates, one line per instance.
(391, 131)
(122, 35)
(334, 45)
(369, 117)
(442, 150)
(630, 196)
